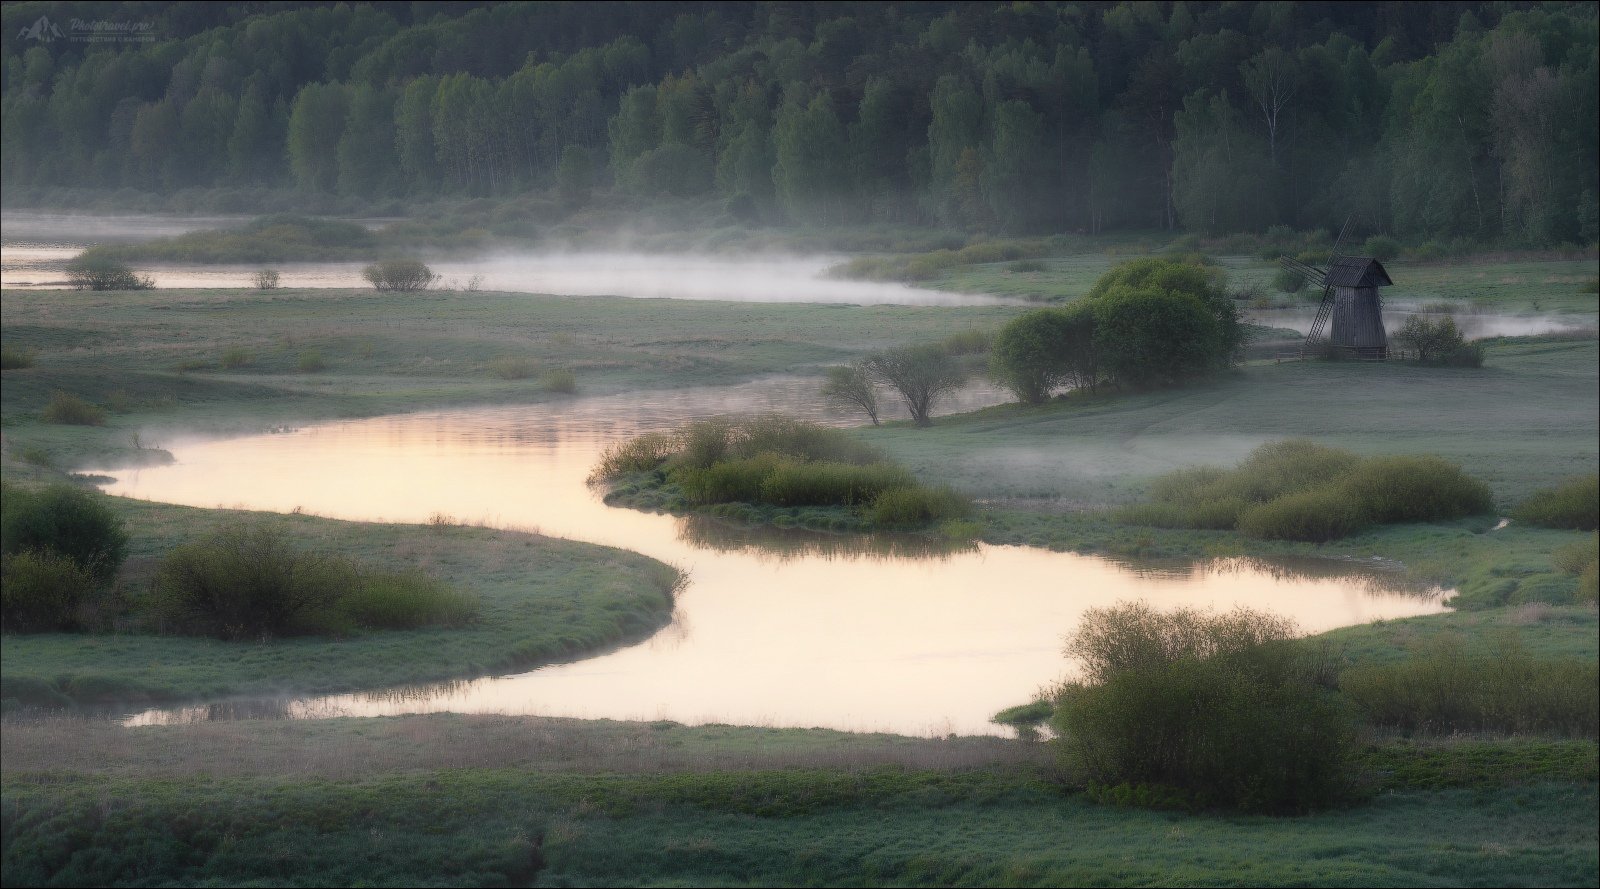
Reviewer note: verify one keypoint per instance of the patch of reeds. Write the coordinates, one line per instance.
(71, 410)
(1573, 504)
(1444, 689)
(1299, 490)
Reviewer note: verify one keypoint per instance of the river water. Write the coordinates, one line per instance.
(784, 628)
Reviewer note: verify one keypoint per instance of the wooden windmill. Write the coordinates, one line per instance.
(1350, 301)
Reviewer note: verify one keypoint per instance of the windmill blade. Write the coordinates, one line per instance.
(1324, 311)
(1312, 274)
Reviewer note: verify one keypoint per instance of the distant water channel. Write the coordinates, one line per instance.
(782, 628)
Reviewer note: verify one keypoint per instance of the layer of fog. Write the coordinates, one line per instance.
(1473, 325)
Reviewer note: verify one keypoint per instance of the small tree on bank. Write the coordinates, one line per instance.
(850, 387)
(400, 275)
(921, 374)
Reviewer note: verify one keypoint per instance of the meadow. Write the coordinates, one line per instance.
(447, 799)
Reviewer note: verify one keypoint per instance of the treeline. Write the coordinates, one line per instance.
(1433, 121)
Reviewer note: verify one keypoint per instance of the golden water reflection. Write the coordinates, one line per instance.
(780, 627)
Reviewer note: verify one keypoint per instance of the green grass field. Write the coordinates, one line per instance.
(450, 800)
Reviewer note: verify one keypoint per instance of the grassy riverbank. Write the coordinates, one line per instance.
(542, 599)
(489, 800)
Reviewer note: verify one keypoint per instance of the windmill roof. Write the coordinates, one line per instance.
(1357, 271)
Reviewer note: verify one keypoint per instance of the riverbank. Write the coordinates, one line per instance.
(542, 600)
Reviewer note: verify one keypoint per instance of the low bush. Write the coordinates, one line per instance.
(66, 521)
(1026, 266)
(399, 275)
(266, 279)
(1201, 709)
(1300, 490)
(70, 410)
(1309, 516)
(638, 454)
(915, 506)
(1573, 504)
(729, 480)
(234, 358)
(89, 271)
(1415, 489)
(1289, 281)
(1443, 689)
(1438, 341)
(246, 582)
(42, 592)
(15, 359)
(563, 382)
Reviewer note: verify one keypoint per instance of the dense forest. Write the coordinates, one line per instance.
(1451, 121)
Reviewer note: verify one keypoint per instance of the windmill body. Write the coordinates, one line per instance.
(1351, 312)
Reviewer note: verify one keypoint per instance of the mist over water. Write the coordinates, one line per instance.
(37, 247)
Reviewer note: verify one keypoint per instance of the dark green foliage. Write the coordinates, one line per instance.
(1574, 504)
(1443, 689)
(1313, 516)
(95, 272)
(71, 410)
(1203, 710)
(15, 359)
(67, 521)
(1159, 322)
(1037, 352)
(1381, 247)
(1581, 559)
(253, 582)
(42, 592)
(1414, 489)
(774, 462)
(401, 275)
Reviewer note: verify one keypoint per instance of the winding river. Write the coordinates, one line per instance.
(776, 628)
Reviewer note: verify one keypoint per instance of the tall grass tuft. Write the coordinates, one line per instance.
(1443, 689)
(639, 454)
(42, 591)
(16, 359)
(1573, 504)
(562, 382)
(914, 506)
(513, 367)
(403, 600)
(71, 410)
(1311, 516)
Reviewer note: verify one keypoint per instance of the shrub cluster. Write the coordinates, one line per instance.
(1573, 504)
(1444, 689)
(16, 359)
(1201, 709)
(1149, 322)
(400, 275)
(89, 271)
(246, 582)
(1583, 560)
(71, 410)
(1439, 341)
(60, 548)
(1299, 490)
(783, 462)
